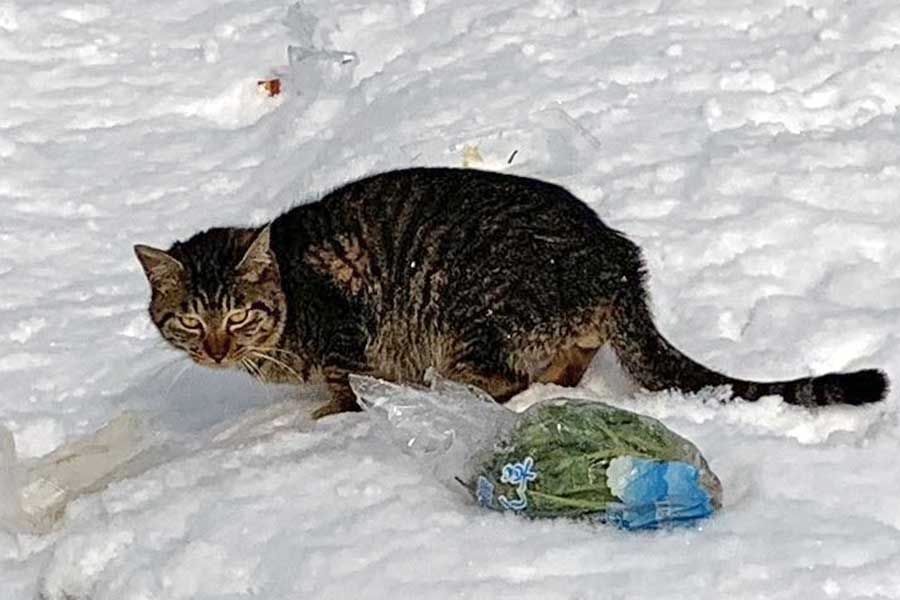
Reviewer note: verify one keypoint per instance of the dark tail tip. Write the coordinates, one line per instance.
(859, 387)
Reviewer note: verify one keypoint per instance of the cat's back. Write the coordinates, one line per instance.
(467, 194)
(425, 235)
(456, 218)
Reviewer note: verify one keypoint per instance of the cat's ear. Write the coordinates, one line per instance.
(258, 262)
(161, 267)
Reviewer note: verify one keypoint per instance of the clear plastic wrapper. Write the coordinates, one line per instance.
(559, 458)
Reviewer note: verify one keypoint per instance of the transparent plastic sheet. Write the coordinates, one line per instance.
(446, 427)
(313, 69)
(35, 492)
(559, 458)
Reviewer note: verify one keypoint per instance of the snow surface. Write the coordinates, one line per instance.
(752, 148)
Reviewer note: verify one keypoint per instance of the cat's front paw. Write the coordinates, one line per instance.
(334, 407)
(331, 408)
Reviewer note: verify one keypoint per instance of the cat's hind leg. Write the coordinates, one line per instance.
(483, 364)
(505, 369)
(568, 366)
(499, 384)
(565, 359)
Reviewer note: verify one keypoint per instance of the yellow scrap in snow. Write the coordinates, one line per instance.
(471, 155)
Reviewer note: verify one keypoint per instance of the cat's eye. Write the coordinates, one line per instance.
(238, 317)
(192, 323)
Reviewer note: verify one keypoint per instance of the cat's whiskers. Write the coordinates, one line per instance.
(275, 361)
(257, 375)
(246, 367)
(268, 350)
(253, 370)
(178, 375)
(166, 365)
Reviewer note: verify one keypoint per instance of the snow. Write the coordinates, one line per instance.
(750, 147)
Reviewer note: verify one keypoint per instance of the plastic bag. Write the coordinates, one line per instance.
(558, 458)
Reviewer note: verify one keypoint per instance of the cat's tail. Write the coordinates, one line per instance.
(656, 365)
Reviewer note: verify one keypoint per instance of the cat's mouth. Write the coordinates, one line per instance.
(218, 364)
(222, 362)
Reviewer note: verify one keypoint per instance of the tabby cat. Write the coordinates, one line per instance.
(494, 280)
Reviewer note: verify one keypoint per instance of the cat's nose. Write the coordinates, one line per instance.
(217, 347)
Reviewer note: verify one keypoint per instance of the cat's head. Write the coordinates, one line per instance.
(218, 295)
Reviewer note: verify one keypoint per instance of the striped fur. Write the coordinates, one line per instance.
(492, 279)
